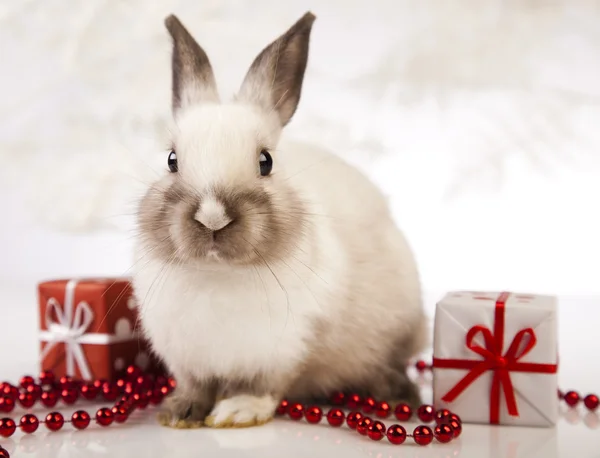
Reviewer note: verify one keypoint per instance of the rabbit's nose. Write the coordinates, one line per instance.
(212, 214)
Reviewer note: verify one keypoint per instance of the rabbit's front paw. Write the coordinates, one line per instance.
(242, 411)
(182, 412)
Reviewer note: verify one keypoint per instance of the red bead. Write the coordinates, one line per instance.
(156, 396)
(54, 421)
(453, 416)
(69, 395)
(172, 384)
(99, 384)
(456, 427)
(423, 435)
(353, 419)
(165, 390)
(130, 388)
(132, 372)
(10, 391)
(47, 377)
(141, 400)
(313, 414)
(104, 417)
(6, 404)
(66, 382)
(4, 453)
(376, 431)
(335, 417)
(338, 399)
(403, 412)
(442, 416)
(27, 400)
(120, 414)
(283, 407)
(383, 409)
(354, 401)
(49, 398)
(426, 413)
(396, 434)
(368, 405)
(26, 381)
(363, 425)
(295, 411)
(80, 419)
(35, 390)
(88, 391)
(421, 365)
(29, 423)
(110, 392)
(572, 398)
(7, 427)
(143, 381)
(443, 433)
(591, 402)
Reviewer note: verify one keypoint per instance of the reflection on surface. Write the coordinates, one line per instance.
(144, 438)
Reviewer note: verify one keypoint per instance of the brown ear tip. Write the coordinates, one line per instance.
(308, 18)
(172, 22)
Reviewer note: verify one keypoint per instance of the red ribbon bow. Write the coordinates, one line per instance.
(494, 360)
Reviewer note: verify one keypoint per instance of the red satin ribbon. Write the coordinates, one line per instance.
(493, 360)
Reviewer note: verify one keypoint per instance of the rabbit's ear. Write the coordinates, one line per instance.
(193, 81)
(274, 80)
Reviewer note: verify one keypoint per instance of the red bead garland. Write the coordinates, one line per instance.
(138, 390)
(447, 428)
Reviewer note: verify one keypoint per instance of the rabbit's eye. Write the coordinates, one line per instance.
(266, 163)
(172, 161)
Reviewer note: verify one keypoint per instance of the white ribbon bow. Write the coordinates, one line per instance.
(70, 328)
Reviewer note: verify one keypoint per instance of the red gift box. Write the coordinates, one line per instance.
(88, 329)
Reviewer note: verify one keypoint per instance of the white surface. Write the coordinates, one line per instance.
(478, 119)
(535, 394)
(577, 433)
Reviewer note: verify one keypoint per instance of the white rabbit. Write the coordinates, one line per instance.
(268, 270)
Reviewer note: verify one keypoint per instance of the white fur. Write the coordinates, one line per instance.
(212, 214)
(218, 145)
(244, 409)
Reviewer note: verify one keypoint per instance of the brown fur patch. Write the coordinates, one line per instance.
(264, 227)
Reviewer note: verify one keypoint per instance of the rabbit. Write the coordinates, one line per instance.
(268, 269)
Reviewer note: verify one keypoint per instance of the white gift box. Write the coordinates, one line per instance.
(495, 358)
